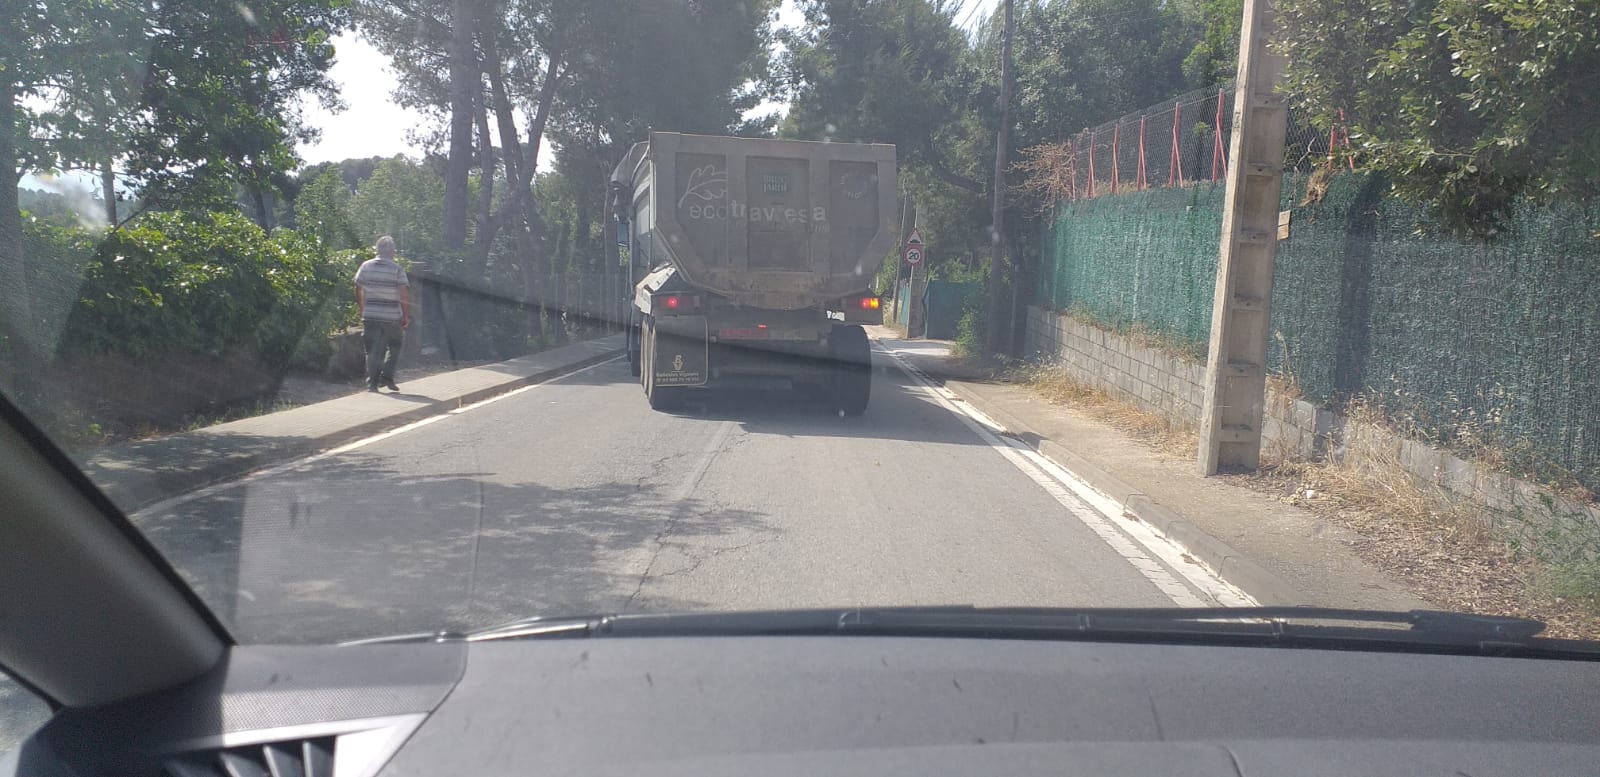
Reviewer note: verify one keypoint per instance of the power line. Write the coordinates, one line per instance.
(976, 6)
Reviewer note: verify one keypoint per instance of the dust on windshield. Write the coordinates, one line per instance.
(381, 317)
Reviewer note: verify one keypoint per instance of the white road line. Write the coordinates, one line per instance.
(707, 455)
(1139, 543)
(644, 558)
(167, 504)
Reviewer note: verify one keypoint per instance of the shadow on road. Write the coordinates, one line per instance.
(899, 410)
(351, 548)
(134, 474)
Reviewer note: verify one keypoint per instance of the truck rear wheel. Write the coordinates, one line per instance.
(634, 356)
(851, 355)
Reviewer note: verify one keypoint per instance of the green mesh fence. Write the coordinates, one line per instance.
(1475, 343)
(1145, 259)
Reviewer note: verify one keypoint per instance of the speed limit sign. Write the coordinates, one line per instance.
(913, 251)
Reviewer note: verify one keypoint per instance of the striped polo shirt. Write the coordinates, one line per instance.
(380, 280)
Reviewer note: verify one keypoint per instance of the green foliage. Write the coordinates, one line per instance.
(1083, 63)
(405, 200)
(211, 285)
(1465, 105)
(894, 71)
(182, 92)
(1215, 58)
(322, 209)
(57, 254)
(678, 66)
(972, 340)
(47, 208)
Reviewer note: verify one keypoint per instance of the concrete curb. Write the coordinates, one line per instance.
(1221, 558)
(134, 488)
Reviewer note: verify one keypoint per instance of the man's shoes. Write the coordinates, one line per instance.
(389, 384)
(372, 388)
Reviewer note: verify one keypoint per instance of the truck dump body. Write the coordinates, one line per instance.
(773, 224)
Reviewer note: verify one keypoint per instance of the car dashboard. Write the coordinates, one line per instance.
(837, 705)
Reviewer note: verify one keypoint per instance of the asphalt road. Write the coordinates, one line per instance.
(573, 496)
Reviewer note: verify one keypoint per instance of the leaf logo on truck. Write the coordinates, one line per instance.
(705, 183)
(703, 200)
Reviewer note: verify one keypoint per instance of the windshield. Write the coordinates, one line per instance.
(384, 317)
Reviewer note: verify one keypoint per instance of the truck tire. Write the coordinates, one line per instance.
(634, 355)
(851, 355)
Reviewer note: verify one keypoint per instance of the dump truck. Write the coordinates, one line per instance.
(753, 261)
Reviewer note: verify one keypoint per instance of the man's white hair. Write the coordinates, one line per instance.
(385, 243)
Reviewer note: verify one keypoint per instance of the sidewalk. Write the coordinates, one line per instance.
(1278, 553)
(138, 474)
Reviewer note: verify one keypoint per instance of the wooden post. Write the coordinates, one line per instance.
(1241, 314)
(997, 316)
(917, 316)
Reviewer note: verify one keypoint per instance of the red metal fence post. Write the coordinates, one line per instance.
(1141, 183)
(1092, 136)
(1219, 157)
(1175, 175)
(1116, 130)
(1072, 169)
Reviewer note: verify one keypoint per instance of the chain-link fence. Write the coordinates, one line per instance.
(1177, 143)
(1488, 345)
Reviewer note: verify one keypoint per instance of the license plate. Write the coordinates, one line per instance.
(746, 333)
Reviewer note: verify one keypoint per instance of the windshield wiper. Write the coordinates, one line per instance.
(1416, 630)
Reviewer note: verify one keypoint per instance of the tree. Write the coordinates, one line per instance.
(1084, 63)
(403, 199)
(886, 71)
(322, 208)
(190, 97)
(1215, 58)
(221, 94)
(1466, 106)
(593, 73)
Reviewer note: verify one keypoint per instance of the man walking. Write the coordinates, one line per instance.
(384, 294)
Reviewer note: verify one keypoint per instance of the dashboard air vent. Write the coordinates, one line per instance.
(302, 758)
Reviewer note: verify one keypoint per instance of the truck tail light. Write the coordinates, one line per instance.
(870, 303)
(676, 303)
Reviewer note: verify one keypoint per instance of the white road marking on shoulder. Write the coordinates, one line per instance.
(708, 454)
(1139, 543)
(168, 504)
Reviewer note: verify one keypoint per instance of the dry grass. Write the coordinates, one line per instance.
(1165, 433)
(1451, 552)
(1445, 550)
(1435, 546)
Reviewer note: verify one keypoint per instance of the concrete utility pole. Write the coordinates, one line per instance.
(998, 325)
(1241, 311)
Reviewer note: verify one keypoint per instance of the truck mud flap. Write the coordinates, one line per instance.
(682, 352)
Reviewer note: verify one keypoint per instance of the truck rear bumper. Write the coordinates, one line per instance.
(768, 363)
